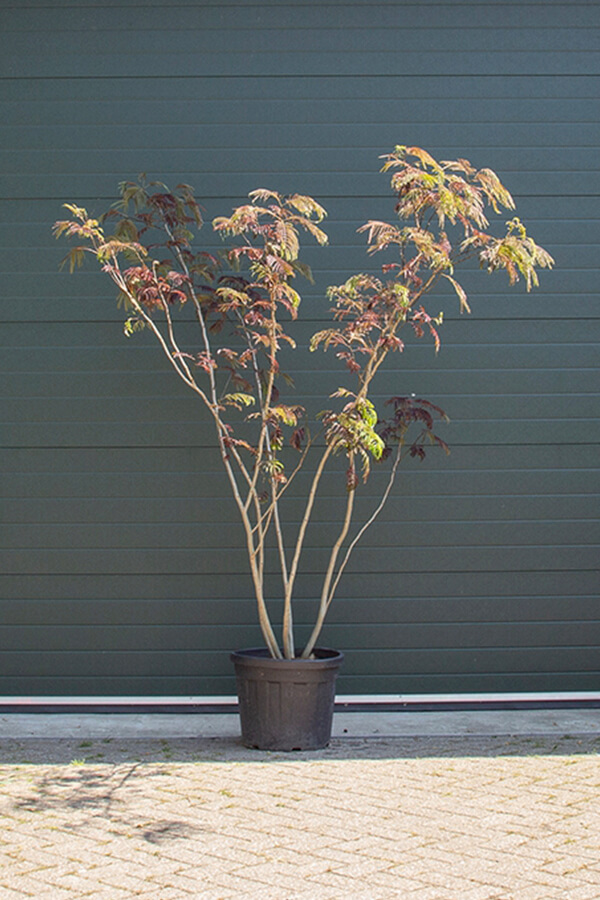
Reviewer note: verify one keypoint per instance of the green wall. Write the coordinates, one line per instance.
(121, 572)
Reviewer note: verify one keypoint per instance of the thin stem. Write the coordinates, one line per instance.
(304, 524)
(324, 602)
(366, 525)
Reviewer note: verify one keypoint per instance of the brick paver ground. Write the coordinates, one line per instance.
(423, 818)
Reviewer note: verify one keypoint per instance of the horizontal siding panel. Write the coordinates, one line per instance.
(526, 681)
(517, 611)
(68, 184)
(81, 684)
(187, 462)
(407, 662)
(404, 637)
(138, 433)
(114, 663)
(468, 134)
(469, 336)
(345, 213)
(335, 257)
(212, 537)
(559, 586)
(346, 250)
(310, 107)
(486, 306)
(37, 61)
(207, 45)
(183, 510)
(510, 384)
(530, 408)
(52, 685)
(374, 561)
(513, 5)
(466, 357)
(486, 661)
(59, 285)
(412, 480)
(566, 237)
(293, 17)
(196, 91)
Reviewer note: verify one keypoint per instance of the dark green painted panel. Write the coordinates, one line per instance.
(385, 135)
(210, 536)
(346, 213)
(198, 88)
(517, 385)
(183, 511)
(507, 407)
(338, 256)
(159, 561)
(431, 639)
(493, 583)
(424, 494)
(579, 237)
(171, 165)
(510, 586)
(190, 684)
(211, 47)
(536, 606)
(555, 306)
(210, 17)
(484, 291)
(181, 663)
(512, 6)
(42, 58)
(92, 339)
(321, 109)
(138, 433)
(185, 461)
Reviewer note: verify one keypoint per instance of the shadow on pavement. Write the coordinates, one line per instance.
(76, 753)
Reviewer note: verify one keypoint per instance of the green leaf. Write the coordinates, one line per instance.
(307, 206)
(461, 293)
(303, 269)
(238, 400)
(75, 258)
(133, 324)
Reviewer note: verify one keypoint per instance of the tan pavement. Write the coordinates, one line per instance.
(431, 818)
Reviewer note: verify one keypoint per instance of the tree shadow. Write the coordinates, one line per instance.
(94, 795)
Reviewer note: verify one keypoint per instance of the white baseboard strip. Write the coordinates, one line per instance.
(347, 701)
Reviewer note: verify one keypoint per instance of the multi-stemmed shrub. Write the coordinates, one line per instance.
(244, 303)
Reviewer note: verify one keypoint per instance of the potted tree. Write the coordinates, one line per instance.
(243, 302)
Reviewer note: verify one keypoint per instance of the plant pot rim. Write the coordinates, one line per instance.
(325, 657)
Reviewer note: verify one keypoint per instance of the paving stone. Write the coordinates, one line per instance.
(433, 819)
(9, 894)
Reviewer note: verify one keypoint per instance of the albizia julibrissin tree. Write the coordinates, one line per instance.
(245, 303)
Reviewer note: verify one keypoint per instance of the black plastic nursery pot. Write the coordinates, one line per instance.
(286, 704)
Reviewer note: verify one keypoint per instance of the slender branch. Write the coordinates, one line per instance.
(273, 513)
(324, 602)
(366, 525)
(182, 370)
(304, 523)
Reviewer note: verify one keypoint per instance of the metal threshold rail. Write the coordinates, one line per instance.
(344, 702)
